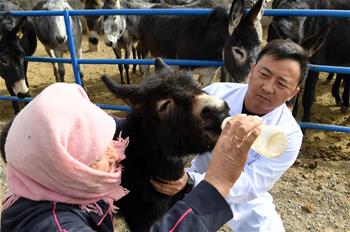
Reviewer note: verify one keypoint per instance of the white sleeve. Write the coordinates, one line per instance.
(259, 174)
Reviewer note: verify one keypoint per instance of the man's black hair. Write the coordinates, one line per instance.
(287, 49)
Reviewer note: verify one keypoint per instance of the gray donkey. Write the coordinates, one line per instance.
(51, 32)
(232, 36)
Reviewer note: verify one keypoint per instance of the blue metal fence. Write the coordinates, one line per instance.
(74, 61)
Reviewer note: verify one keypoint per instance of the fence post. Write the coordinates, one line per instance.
(71, 47)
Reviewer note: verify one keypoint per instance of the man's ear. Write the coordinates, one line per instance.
(252, 67)
(295, 93)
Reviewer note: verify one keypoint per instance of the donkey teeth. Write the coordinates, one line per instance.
(271, 142)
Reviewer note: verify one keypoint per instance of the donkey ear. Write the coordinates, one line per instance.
(256, 12)
(275, 4)
(235, 15)
(117, 4)
(165, 108)
(18, 30)
(128, 93)
(313, 43)
(161, 67)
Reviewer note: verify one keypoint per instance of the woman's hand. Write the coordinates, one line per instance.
(231, 151)
(170, 188)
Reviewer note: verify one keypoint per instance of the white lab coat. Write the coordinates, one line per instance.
(249, 199)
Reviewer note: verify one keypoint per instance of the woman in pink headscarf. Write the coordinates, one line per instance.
(62, 164)
(63, 169)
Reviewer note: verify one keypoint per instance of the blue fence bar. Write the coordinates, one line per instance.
(307, 12)
(128, 61)
(216, 63)
(71, 47)
(330, 69)
(109, 107)
(183, 11)
(75, 61)
(324, 127)
(11, 98)
(28, 99)
(306, 125)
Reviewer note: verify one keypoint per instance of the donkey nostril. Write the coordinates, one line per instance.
(23, 95)
(108, 43)
(94, 41)
(60, 39)
(206, 112)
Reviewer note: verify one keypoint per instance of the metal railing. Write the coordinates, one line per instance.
(75, 62)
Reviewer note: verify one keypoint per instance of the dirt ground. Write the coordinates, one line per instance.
(313, 195)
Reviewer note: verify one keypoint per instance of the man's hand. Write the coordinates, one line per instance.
(170, 188)
(231, 151)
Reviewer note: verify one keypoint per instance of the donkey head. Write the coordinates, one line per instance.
(12, 67)
(287, 27)
(56, 24)
(113, 25)
(94, 21)
(174, 110)
(293, 27)
(243, 45)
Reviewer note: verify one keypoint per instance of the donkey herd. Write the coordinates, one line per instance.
(170, 98)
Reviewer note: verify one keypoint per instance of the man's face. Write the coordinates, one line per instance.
(272, 82)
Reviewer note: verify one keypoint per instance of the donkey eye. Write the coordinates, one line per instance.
(4, 62)
(238, 51)
(114, 18)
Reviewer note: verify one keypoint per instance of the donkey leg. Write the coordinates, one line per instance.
(329, 78)
(335, 90)
(309, 94)
(345, 96)
(117, 52)
(51, 53)
(295, 105)
(144, 54)
(138, 53)
(144, 68)
(128, 50)
(15, 104)
(134, 56)
(61, 71)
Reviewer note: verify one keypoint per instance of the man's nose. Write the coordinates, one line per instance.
(268, 86)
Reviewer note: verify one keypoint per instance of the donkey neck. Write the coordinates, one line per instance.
(154, 156)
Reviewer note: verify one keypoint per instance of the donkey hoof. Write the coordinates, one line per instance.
(344, 109)
(338, 102)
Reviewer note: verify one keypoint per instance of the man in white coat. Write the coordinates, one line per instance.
(275, 79)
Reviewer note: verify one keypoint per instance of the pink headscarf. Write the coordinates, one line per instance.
(51, 144)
